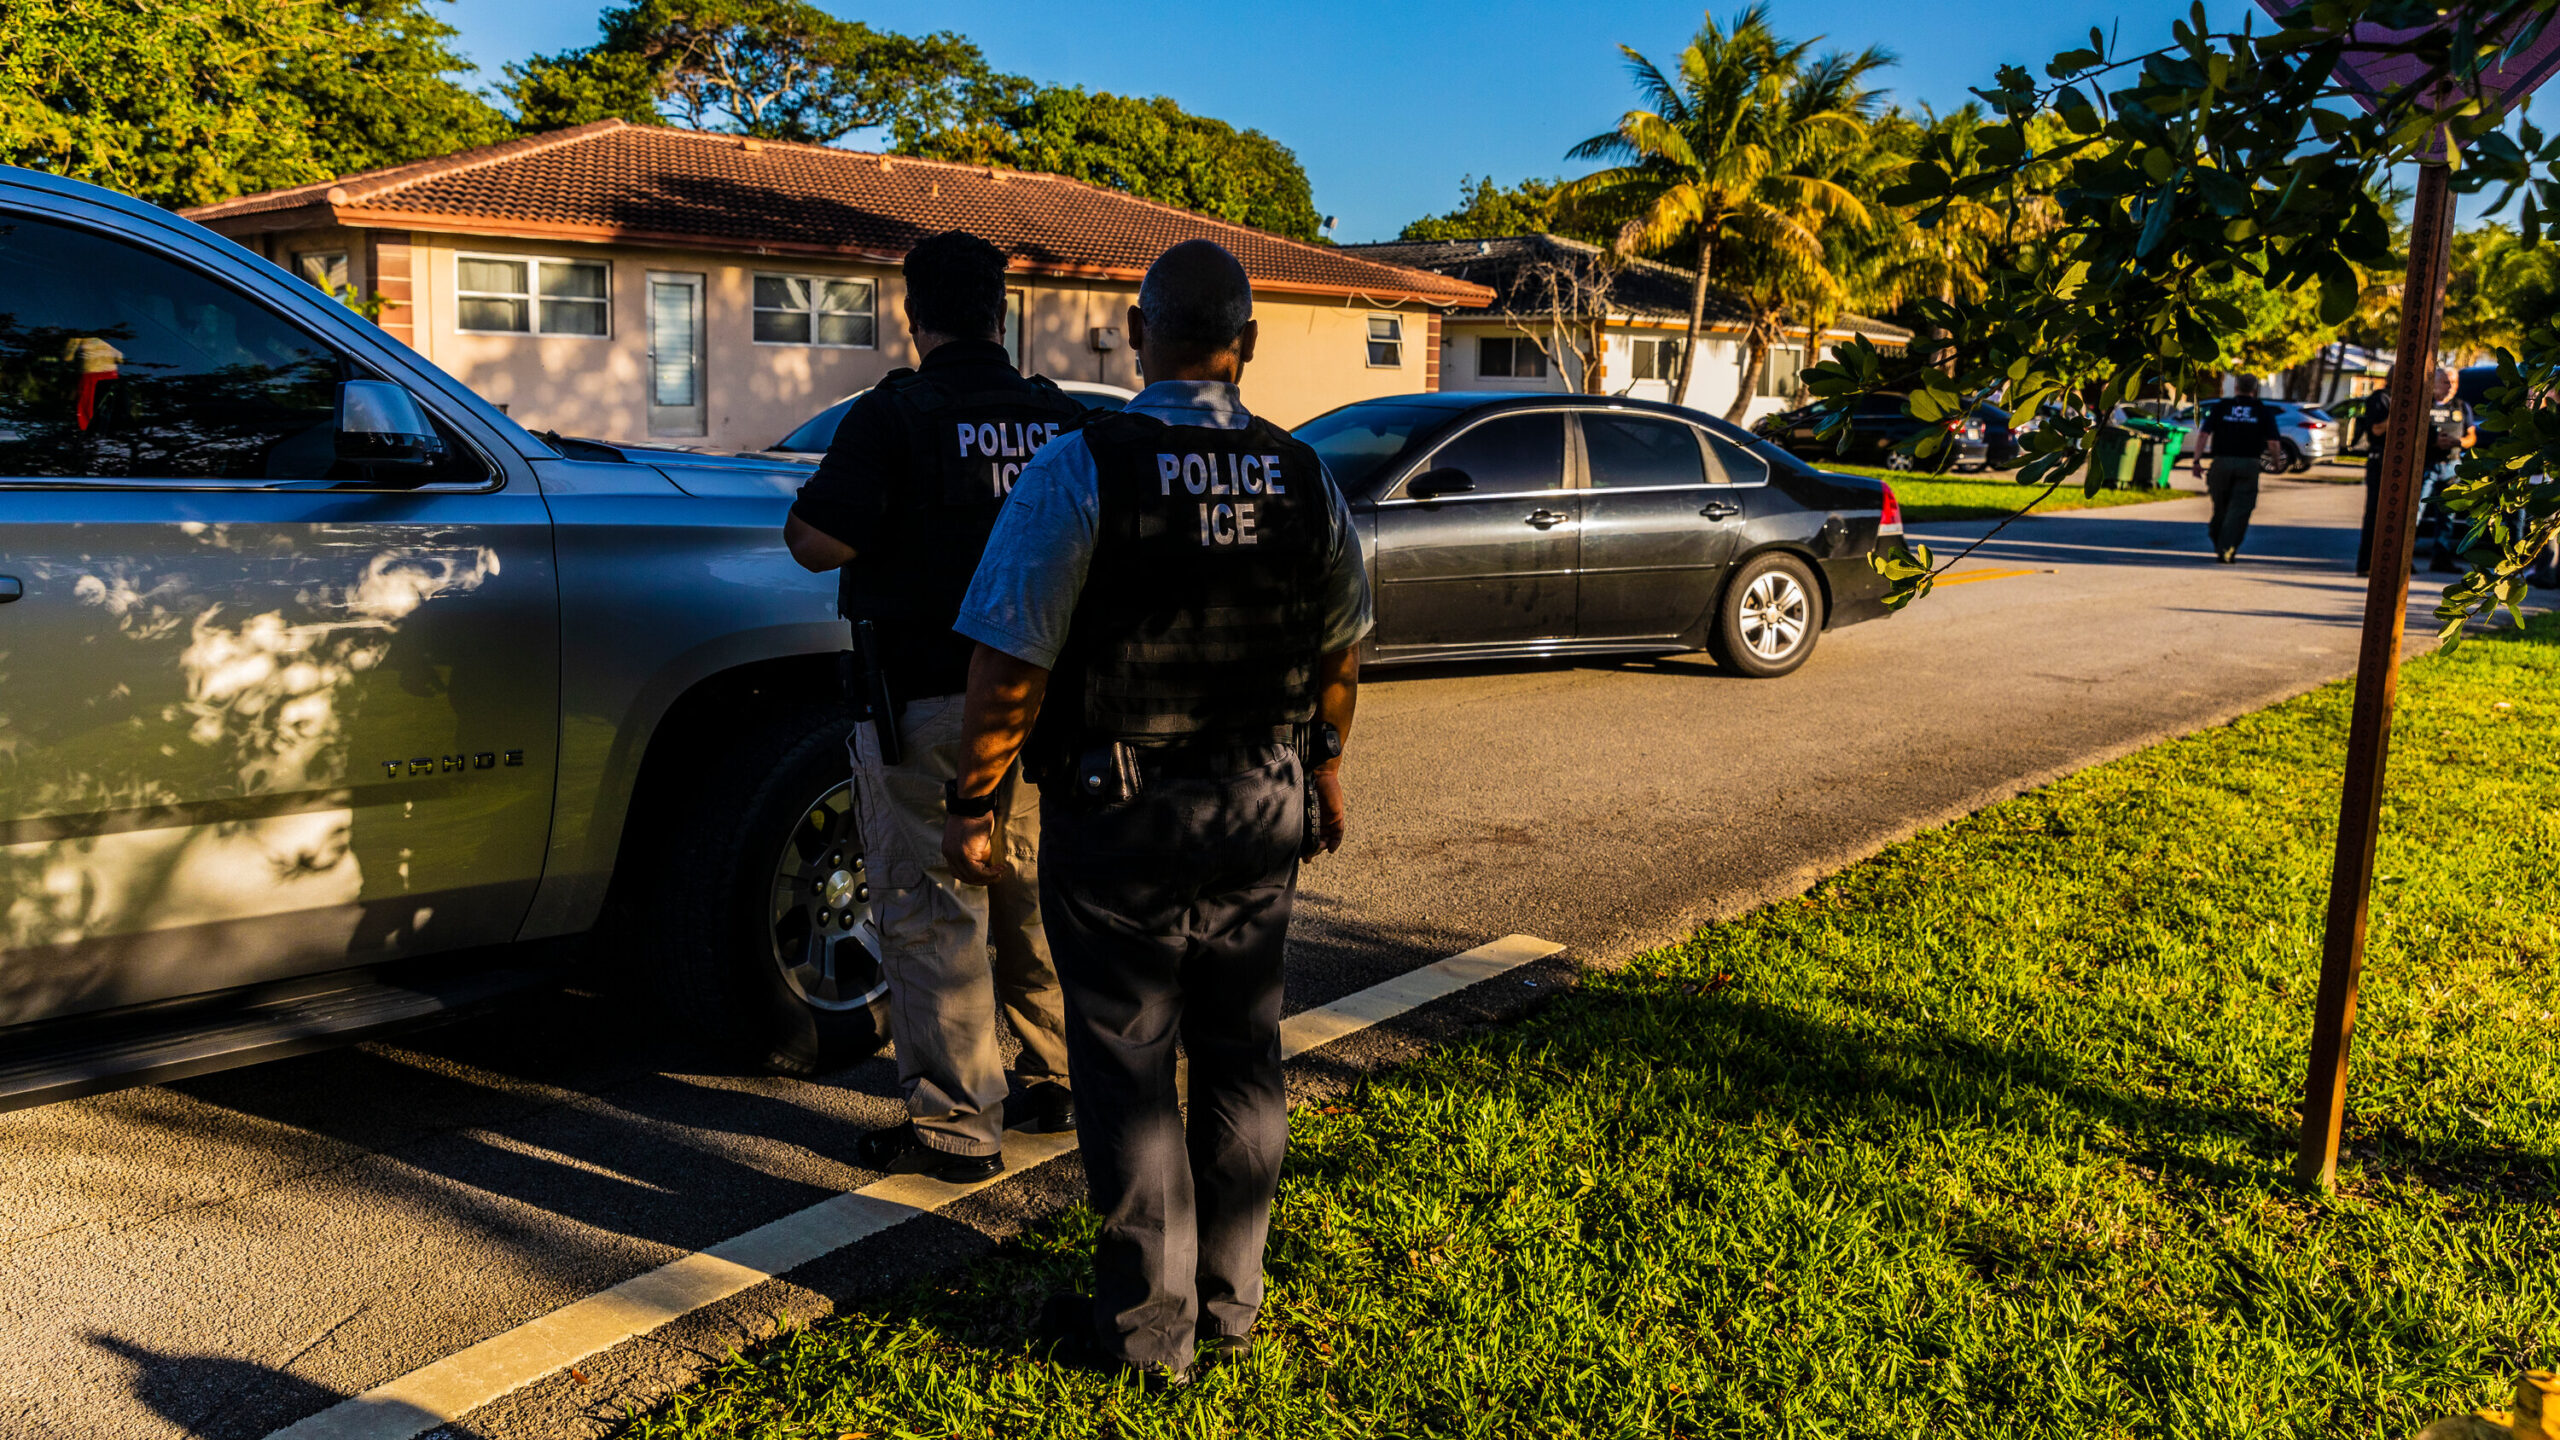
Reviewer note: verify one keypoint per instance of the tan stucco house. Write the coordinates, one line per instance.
(630, 282)
(1507, 343)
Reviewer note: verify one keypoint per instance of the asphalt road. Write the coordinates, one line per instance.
(223, 1256)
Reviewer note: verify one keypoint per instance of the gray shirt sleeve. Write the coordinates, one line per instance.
(1026, 587)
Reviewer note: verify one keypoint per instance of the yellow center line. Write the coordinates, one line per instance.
(1967, 577)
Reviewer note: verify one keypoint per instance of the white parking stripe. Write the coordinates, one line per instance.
(446, 1390)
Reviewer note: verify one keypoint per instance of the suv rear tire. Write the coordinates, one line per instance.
(759, 918)
(1768, 618)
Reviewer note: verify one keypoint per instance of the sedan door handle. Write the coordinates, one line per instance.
(1721, 510)
(1547, 519)
(10, 588)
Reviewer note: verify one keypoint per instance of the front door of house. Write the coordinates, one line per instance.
(676, 400)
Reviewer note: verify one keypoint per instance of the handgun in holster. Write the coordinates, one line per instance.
(866, 685)
(1318, 742)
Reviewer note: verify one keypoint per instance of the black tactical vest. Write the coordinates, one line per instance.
(965, 450)
(1202, 608)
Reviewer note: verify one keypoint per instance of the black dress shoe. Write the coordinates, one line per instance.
(1049, 1108)
(897, 1151)
(1066, 1329)
(1217, 1350)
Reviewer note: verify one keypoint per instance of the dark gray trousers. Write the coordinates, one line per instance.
(2234, 487)
(1166, 917)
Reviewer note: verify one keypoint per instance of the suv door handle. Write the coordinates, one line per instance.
(1547, 519)
(1721, 510)
(10, 588)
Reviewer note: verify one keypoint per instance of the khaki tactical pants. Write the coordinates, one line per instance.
(935, 933)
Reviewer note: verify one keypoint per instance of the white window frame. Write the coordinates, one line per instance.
(1766, 387)
(302, 268)
(817, 290)
(1661, 373)
(1394, 337)
(532, 295)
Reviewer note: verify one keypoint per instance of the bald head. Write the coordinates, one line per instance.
(1194, 312)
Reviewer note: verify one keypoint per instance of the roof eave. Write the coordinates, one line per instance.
(370, 218)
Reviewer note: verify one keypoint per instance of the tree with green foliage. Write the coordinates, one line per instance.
(2223, 159)
(1486, 211)
(1728, 143)
(2500, 290)
(1150, 148)
(186, 102)
(774, 69)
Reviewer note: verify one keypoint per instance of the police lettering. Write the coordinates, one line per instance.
(1007, 444)
(1212, 473)
(1227, 524)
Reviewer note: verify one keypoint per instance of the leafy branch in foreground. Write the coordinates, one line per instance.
(2161, 178)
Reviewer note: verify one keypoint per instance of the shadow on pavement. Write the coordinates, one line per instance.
(216, 1397)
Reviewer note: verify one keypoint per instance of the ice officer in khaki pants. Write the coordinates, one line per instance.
(903, 504)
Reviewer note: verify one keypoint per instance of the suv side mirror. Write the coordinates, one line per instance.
(381, 424)
(1432, 484)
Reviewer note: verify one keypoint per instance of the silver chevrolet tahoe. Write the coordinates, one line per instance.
(331, 699)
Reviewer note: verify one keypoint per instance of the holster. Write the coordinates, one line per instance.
(867, 687)
(1106, 774)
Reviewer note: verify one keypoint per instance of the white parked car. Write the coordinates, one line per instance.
(811, 440)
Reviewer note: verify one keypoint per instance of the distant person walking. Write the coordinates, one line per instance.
(2451, 429)
(2377, 419)
(2237, 431)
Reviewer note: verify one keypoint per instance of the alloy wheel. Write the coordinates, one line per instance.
(823, 940)
(1896, 460)
(1775, 613)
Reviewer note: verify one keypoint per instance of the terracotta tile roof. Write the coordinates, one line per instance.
(617, 181)
(1645, 290)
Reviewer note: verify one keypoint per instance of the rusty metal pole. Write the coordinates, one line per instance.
(2386, 611)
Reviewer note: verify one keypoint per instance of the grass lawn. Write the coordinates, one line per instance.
(1989, 1135)
(1993, 493)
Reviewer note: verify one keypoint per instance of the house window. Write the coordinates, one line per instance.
(516, 295)
(1778, 376)
(324, 268)
(1013, 328)
(815, 310)
(1386, 342)
(1653, 359)
(1507, 357)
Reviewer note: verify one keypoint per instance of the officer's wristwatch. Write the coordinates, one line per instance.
(966, 807)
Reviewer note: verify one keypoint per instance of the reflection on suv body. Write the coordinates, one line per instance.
(308, 734)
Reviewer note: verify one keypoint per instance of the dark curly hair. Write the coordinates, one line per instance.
(955, 285)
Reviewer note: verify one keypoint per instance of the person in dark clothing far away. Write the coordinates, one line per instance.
(2237, 430)
(903, 504)
(1169, 619)
(2451, 429)
(2377, 423)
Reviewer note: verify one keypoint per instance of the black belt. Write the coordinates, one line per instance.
(1208, 762)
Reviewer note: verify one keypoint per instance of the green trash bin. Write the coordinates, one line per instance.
(2158, 460)
(2113, 456)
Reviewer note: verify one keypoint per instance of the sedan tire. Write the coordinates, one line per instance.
(761, 922)
(1769, 618)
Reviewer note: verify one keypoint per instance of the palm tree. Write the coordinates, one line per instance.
(1725, 147)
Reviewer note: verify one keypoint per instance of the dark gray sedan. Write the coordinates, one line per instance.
(1503, 526)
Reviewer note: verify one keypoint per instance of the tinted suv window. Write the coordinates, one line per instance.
(116, 363)
(1633, 450)
(1509, 454)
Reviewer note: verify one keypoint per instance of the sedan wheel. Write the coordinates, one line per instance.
(1896, 460)
(1770, 618)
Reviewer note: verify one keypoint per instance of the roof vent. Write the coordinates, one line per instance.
(1484, 247)
(751, 145)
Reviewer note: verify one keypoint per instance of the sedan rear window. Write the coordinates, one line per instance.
(1632, 451)
(819, 432)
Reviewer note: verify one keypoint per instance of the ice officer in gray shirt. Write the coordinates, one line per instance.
(1168, 619)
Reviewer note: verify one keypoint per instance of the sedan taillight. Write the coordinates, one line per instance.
(1891, 522)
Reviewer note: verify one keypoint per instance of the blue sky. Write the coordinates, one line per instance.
(1389, 104)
